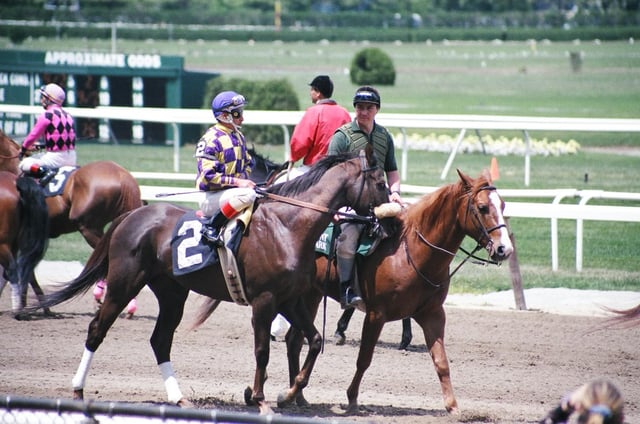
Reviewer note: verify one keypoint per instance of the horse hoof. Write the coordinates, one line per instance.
(352, 409)
(403, 345)
(21, 316)
(284, 400)
(128, 315)
(340, 339)
(248, 392)
(185, 403)
(301, 401)
(78, 394)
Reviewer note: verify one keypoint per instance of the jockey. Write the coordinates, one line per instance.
(224, 166)
(57, 127)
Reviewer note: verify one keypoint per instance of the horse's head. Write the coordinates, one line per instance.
(265, 171)
(368, 188)
(480, 215)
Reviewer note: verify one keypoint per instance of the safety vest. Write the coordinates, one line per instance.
(358, 140)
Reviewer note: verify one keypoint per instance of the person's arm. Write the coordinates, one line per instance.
(393, 179)
(302, 138)
(36, 132)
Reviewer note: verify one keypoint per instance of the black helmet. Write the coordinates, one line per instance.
(366, 94)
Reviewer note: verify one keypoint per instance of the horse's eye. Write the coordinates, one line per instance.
(381, 185)
(483, 209)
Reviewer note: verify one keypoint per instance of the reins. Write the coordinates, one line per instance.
(470, 255)
(312, 206)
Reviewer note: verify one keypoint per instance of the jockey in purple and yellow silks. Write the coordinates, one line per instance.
(57, 127)
(224, 165)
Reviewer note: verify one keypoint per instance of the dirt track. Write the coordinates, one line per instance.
(507, 367)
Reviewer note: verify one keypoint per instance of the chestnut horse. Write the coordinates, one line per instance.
(93, 196)
(275, 262)
(23, 232)
(408, 273)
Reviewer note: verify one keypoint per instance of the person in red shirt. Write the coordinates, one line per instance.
(311, 136)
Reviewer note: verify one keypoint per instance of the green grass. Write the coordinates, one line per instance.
(513, 78)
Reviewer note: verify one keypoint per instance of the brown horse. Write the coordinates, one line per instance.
(93, 196)
(23, 232)
(275, 262)
(408, 274)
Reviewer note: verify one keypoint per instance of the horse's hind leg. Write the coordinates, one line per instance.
(302, 319)
(406, 334)
(171, 299)
(39, 294)
(433, 324)
(343, 323)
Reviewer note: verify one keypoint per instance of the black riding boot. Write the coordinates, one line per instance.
(211, 230)
(48, 175)
(348, 297)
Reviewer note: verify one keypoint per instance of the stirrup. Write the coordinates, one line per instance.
(47, 178)
(213, 236)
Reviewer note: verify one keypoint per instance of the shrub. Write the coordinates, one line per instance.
(261, 95)
(17, 35)
(372, 66)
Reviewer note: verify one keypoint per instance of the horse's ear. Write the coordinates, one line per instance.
(487, 175)
(371, 157)
(466, 180)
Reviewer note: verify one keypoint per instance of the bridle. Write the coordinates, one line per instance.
(364, 169)
(479, 226)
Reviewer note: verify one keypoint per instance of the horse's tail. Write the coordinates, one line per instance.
(624, 317)
(204, 312)
(95, 269)
(33, 235)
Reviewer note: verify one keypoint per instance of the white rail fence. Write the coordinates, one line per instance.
(554, 210)
(174, 117)
(551, 209)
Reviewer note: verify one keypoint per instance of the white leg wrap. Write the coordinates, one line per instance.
(16, 297)
(83, 369)
(174, 395)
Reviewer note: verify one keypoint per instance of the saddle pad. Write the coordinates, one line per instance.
(188, 250)
(57, 183)
(324, 242)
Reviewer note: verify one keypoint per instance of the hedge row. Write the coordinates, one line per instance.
(18, 33)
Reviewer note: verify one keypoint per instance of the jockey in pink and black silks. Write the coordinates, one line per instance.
(224, 165)
(56, 125)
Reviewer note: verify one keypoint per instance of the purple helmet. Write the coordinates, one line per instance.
(227, 101)
(54, 93)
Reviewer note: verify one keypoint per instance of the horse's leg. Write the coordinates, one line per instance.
(39, 293)
(264, 311)
(406, 334)
(302, 319)
(171, 299)
(371, 329)
(343, 323)
(432, 324)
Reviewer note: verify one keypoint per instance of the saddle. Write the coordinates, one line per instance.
(55, 186)
(191, 252)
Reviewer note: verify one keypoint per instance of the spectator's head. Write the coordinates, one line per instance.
(323, 85)
(597, 402)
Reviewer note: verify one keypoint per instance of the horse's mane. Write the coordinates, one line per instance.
(310, 178)
(419, 213)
